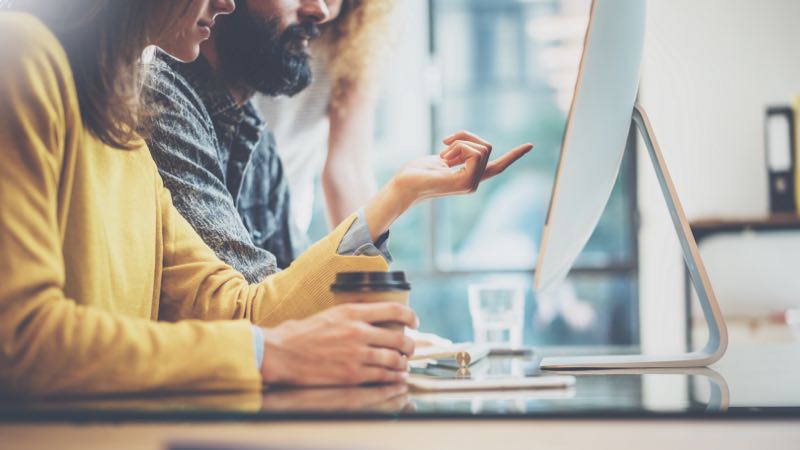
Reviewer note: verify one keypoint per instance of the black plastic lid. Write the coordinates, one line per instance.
(370, 281)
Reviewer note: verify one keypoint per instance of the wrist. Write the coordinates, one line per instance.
(391, 201)
(271, 364)
(399, 195)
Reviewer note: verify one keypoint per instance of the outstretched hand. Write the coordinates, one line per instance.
(458, 169)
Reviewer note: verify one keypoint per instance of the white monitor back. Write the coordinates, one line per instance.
(595, 135)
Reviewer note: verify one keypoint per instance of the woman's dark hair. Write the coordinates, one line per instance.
(104, 40)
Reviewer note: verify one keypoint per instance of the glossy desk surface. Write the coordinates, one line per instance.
(760, 381)
(750, 400)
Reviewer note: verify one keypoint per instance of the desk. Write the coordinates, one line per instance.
(757, 406)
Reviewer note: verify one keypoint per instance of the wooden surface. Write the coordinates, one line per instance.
(544, 434)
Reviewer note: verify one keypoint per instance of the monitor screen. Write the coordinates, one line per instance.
(595, 135)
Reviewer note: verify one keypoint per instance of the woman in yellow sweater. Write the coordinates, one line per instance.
(104, 287)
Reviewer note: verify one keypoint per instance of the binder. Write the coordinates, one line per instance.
(796, 111)
(780, 143)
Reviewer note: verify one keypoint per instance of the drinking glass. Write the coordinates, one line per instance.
(497, 314)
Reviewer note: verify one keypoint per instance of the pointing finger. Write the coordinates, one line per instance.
(500, 164)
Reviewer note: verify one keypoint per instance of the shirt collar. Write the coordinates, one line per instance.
(211, 90)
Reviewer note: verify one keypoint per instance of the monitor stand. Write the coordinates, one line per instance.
(717, 332)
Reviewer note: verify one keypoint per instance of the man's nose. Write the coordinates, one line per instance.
(315, 11)
(223, 6)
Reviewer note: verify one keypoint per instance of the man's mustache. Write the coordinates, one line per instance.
(300, 31)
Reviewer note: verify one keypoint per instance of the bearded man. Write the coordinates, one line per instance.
(214, 151)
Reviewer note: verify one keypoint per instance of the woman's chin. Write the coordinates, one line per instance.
(187, 54)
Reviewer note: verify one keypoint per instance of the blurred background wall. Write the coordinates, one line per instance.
(710, 69)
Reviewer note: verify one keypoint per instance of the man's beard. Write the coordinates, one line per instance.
(255, 55)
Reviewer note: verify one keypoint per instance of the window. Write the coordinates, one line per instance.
(504, 69)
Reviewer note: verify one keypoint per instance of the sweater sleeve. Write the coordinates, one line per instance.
(50, 343)
(197, 285)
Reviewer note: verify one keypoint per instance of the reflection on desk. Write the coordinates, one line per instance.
(761, 387)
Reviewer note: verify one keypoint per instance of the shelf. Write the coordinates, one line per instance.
(776, 222)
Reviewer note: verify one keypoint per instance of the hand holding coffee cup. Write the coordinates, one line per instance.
(360, 340)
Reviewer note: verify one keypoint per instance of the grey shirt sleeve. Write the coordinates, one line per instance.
(258, 346)
(182, 143)
(358, 241)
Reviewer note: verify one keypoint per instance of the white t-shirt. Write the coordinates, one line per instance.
(301, 127)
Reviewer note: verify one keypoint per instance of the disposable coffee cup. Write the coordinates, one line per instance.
(372, 287)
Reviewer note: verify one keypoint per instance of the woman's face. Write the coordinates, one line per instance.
(183, 35)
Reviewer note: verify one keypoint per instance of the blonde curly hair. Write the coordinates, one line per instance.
(355, 43)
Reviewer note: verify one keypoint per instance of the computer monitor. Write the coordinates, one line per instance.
(603, 106)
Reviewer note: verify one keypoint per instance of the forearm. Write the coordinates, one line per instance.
(73, 349)
(303, 289)
(196, 285)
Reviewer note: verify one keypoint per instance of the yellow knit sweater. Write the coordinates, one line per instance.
(104, 287)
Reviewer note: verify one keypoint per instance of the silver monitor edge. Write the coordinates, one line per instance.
(595, 135)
